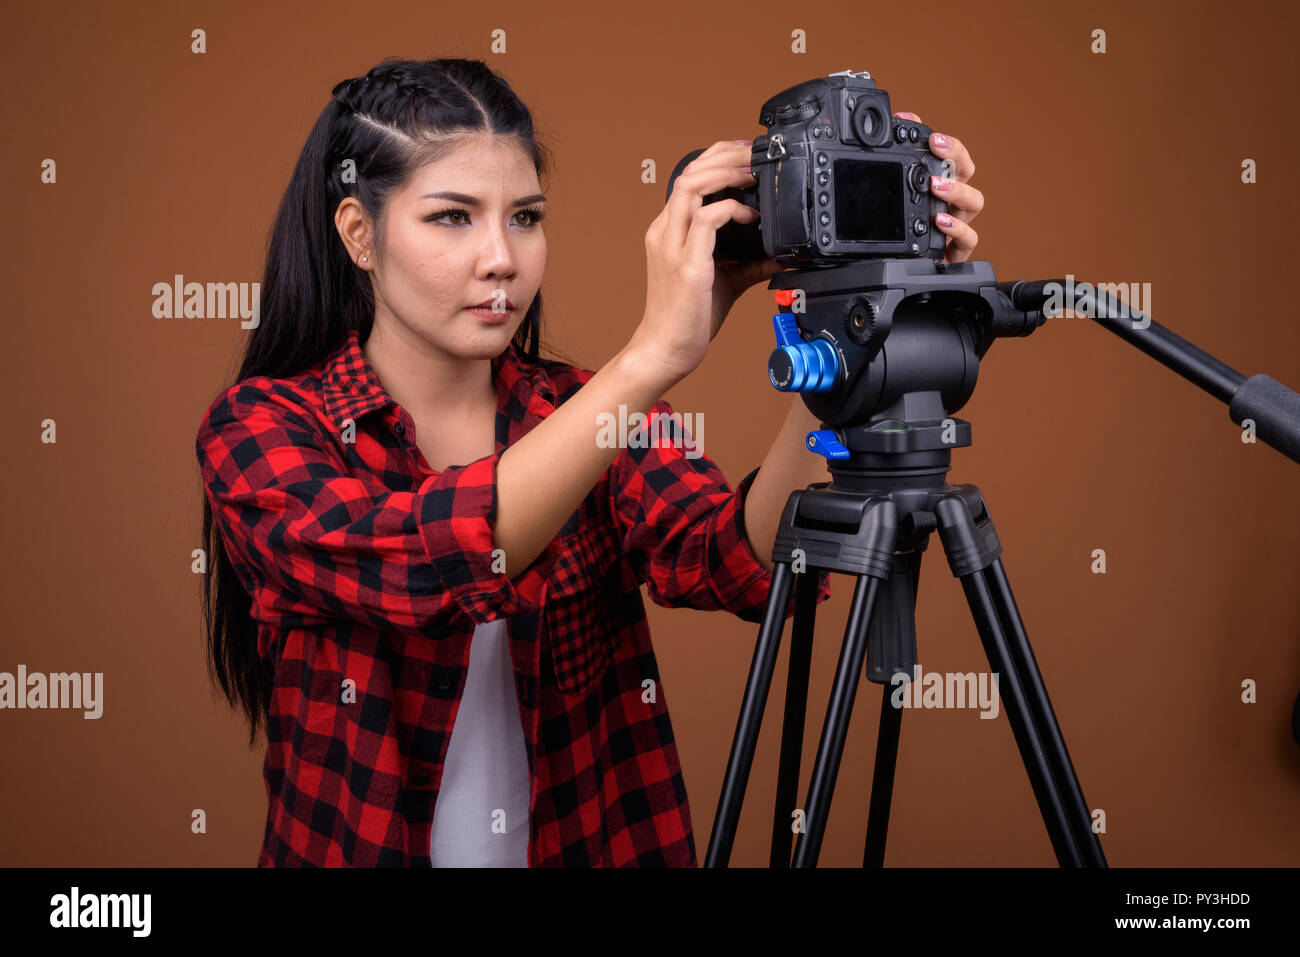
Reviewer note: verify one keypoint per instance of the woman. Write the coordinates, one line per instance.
(426, 567)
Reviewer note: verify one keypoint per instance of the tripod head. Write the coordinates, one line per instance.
(892, 350)
(884, 351)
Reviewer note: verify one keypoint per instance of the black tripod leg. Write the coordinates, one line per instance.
(895, 644)
(796, 706)
(962, 544)
(1044, 717)
(882, 781)
(751, 718)
(835, 728)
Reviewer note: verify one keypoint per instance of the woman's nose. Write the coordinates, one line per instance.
(497, 257)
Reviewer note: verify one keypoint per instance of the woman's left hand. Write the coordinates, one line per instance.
(964, 201)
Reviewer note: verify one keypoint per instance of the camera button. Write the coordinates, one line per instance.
(919, 227)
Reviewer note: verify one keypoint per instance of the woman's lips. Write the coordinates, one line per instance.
(488, 315)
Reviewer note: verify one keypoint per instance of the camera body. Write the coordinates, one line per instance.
(839, 178)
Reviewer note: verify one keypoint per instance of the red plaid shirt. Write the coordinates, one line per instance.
(366, 566)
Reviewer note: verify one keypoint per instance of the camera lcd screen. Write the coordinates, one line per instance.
(868, 201)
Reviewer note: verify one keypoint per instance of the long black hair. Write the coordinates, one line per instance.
(377, 131)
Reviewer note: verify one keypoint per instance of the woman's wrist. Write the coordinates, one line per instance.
(643, 366)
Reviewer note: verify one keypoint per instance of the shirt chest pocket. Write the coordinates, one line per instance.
(577, 612)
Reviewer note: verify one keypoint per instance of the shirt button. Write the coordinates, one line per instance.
(420, 780)
(399, 428)
(445, 683)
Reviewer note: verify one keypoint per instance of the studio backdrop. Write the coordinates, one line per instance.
(1150, 541)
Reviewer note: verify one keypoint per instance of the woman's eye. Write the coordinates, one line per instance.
(447, 212)
(531, 216)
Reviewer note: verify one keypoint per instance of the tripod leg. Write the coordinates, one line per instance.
(882, 781)
(1044, 717)
(752, 706)
(796, 706)
(835, 728)
(893, 641)
(963, 546)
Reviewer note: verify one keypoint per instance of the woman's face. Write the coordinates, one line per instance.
(444, 254)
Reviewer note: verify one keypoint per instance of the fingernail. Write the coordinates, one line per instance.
(944, 219)
(942, 141)
(743, 142)
(941, 184)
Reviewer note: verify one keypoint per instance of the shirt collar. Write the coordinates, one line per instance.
(351, 388)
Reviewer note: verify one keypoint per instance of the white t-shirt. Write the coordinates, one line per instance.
(487, 765)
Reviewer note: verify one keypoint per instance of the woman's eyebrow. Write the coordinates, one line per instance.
(472, 201)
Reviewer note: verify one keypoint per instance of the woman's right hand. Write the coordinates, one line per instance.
(681, 316)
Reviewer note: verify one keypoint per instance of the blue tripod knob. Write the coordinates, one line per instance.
(799, 366)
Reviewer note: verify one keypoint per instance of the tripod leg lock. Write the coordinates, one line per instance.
(969, 544)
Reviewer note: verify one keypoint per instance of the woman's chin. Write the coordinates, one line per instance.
(487, 340)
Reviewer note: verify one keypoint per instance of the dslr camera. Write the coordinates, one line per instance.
(839, 178)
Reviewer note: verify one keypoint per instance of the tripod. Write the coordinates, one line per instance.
(885, 351)
(874, 521)
(895, 345)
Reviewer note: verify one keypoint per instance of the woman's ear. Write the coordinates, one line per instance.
(353, 229)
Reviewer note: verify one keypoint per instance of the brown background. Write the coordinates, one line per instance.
(1117, 167)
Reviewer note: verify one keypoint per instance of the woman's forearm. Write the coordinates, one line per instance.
(544, 476)
(789, 465)
(559, 461)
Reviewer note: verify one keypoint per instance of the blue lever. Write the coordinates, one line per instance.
(825, 442)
